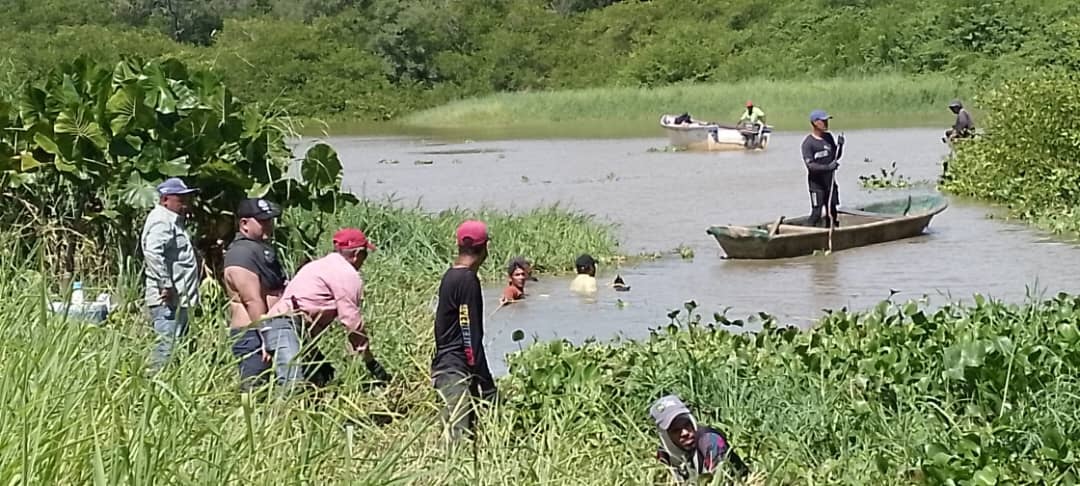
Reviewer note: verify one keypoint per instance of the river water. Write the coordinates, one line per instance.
(661, 200)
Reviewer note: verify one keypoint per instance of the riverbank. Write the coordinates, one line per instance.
(888, 101)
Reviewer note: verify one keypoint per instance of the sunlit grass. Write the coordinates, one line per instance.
(873, 102)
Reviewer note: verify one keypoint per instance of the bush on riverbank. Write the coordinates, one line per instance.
(1027, 159)
(898, 394)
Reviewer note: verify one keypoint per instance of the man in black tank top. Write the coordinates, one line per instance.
(254, 280)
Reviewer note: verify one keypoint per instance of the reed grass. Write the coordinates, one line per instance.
(883, 101)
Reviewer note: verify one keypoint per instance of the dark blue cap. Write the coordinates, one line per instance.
(174, 187)
(818, 115)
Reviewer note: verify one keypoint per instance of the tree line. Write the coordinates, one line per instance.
(379, 59)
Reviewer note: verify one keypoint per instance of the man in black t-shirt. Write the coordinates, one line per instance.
(255, 281)
(821, 153)
(459, 369)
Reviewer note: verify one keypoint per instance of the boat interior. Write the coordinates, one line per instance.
(800, 225)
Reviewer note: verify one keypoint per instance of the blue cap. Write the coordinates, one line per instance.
(173, 186)
(818, 115)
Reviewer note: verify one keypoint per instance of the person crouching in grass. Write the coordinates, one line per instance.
(691, 451)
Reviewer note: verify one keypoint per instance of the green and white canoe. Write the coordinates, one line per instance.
(865, 225)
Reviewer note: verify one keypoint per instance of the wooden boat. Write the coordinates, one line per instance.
(866, 225)
(703, 135)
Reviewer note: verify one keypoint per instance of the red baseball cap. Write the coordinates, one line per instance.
(472, 234)
(350, 238)
(749, 104)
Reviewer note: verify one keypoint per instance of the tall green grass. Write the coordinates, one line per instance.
(78, 408)
(880, 101)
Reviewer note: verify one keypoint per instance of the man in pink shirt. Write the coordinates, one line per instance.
(323, 291)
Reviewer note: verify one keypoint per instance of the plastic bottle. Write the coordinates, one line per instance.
(77, 294)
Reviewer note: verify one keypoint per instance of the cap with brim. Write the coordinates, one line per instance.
(665, 410)
(257, 208)
(955, 103)
(173, 186)
(819, 115)
(472, 234)
(350, 239)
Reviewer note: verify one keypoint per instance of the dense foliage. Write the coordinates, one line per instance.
(82, 149)
(1027, 159)
(982, 394)
(378, 59)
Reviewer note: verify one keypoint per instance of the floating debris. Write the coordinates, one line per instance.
(424, 162)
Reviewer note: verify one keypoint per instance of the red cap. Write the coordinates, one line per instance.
(350, 238)
(749, 104)
(474, 231)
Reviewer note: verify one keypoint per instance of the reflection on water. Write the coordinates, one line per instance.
(661, 200)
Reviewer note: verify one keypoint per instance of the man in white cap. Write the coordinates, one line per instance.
(691, 451)
(172, 272)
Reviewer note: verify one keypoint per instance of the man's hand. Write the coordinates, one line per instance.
(377, 371)
(167, 295)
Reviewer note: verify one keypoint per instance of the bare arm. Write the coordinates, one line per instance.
(248, 290)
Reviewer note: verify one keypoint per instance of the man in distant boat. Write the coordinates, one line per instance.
(964, 126)
(821, 154)
(751, 123)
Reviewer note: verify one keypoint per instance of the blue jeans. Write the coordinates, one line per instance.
(283, 342)
(170, 325)
(248, 348)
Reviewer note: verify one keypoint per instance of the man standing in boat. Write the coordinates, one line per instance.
(821, 154)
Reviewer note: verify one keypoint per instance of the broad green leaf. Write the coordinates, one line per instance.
(138, 193)
(259, 190)
(80, 125)
(174, 168)
(321, 168)
(46, 143)
(124, 107)
(28, 162)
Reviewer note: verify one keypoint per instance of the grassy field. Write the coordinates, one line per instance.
(874, 102)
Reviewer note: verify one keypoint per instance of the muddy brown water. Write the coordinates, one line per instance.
(661, 200)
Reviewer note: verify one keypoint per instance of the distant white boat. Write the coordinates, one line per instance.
(702, 135)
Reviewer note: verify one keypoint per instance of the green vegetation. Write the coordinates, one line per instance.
(981, 394)
(1027, 164)
(78, 408)
(81, 151)
(362, 60)
(879, 101)
(887, 179)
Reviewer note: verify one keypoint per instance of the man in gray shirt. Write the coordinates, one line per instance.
(172, 272)
(964, 127)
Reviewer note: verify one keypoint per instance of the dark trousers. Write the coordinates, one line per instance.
(254, 372)
(461, 395)
(819, 198)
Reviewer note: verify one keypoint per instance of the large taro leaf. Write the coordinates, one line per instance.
(158, 92)
(137, 192)
(128, 111)
(321, 168)
(79, 124)
(174, 168)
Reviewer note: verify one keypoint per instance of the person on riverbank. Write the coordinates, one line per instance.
(691, 452)
(171, 271)
(585, 282)
(327, 289)
(518, 271)
(821, 154)
(254, 280)
(459, 368)
(964, 126)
